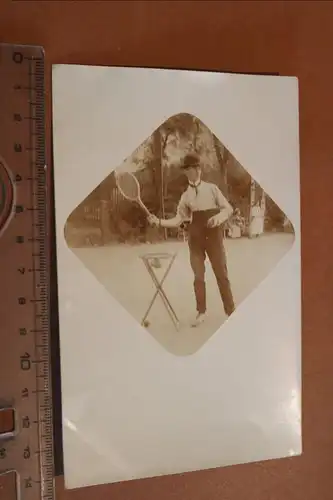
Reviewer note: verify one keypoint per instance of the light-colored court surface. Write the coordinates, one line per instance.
(120, 269)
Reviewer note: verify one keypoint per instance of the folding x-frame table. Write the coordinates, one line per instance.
(151, 262)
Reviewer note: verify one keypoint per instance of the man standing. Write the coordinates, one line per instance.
(205, 206)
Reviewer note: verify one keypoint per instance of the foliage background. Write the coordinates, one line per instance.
(156, 164)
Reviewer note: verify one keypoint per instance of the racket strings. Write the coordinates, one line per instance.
(128, 186)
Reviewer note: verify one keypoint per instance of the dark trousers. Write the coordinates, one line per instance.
(202, 242)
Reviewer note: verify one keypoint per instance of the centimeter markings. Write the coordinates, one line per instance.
(39, 274)
(39, 281)
(34, 463)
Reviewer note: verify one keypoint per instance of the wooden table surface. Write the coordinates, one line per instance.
(286, 37)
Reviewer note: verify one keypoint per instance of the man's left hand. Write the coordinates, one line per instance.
(215, 221)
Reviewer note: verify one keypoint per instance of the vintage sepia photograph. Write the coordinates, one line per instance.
(179, 234)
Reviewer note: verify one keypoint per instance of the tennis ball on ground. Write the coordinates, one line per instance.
(156, 263)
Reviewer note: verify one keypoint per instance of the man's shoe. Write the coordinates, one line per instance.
(200, 318)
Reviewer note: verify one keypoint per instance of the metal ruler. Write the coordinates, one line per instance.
(26, 430)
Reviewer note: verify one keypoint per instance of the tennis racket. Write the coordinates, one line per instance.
(129, 187)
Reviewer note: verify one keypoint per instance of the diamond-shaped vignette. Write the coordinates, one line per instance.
(113, 239)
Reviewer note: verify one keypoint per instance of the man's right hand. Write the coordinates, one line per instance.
(153, 220)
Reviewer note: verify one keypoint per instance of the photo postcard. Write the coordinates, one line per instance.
(178, 245)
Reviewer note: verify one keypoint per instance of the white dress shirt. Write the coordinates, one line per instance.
(202, 196)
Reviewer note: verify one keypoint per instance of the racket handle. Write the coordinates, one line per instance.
(143, 206)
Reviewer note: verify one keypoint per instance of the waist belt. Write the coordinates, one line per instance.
(201, 217)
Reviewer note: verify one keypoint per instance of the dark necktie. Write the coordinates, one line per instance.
(195, 187)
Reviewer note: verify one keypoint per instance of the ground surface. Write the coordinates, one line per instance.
(121, 270)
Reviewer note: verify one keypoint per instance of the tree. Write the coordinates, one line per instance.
(222, 156)
(177, 129)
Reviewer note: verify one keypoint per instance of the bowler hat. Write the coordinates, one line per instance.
(190, 160)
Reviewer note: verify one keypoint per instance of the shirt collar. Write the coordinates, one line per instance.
(195, 184)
